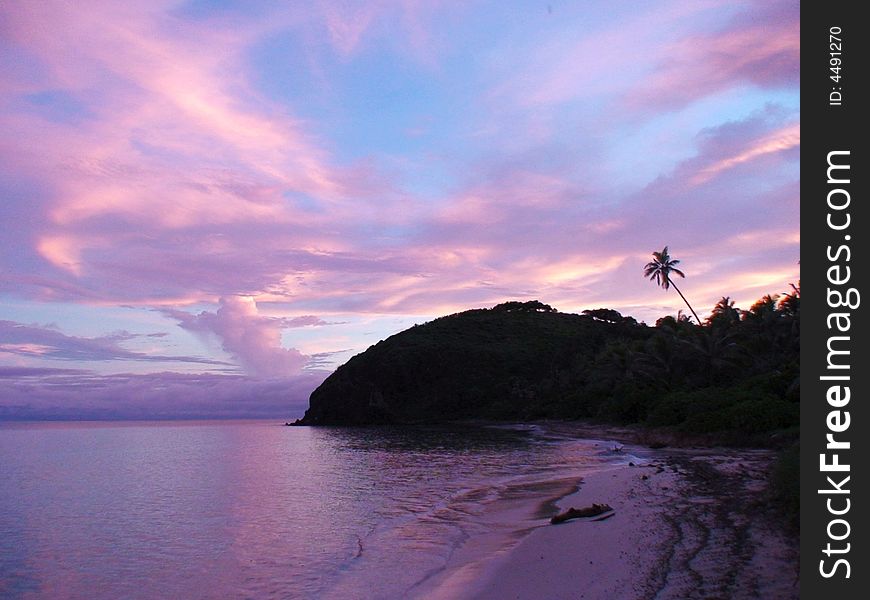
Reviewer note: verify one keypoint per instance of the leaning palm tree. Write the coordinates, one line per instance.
(660, 269)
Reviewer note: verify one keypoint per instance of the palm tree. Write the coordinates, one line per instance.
(724, 313)
(660, 269)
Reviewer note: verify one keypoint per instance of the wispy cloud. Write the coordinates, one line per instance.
(760, 46)
(49, 343)
(183, 184)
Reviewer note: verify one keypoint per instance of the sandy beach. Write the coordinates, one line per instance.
(687, 523)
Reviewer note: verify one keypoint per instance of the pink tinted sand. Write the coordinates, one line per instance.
(613, 558)
(690, 525)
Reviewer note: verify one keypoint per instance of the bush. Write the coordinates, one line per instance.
(672, 409)
(723, 409)
(764, 413)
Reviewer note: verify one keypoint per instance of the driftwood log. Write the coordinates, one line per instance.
(578, 513)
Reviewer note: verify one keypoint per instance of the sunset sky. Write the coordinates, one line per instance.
(207, 206)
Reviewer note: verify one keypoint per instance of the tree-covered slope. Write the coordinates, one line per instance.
(510, 361)
(527, 361)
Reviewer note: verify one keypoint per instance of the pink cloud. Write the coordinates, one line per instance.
(761, 46)
(506, 233)
(583, 251)
(781, 140)
(182, 184)
(600, 62)
(656, 58)
(173, 178)
(252, 339)
(179, 138)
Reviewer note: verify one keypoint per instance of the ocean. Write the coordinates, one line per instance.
(253, 509)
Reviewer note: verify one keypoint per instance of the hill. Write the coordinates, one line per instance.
(524, 360)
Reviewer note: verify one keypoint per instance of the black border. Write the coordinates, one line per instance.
(827, 128)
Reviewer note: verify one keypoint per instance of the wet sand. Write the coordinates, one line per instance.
(688, 523)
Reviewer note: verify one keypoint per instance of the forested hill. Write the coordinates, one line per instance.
(524, 360)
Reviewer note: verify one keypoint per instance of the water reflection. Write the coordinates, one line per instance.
(254, 508)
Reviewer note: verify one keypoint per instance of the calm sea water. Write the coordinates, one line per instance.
(255, 509)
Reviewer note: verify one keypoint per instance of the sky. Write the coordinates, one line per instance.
(207, 206)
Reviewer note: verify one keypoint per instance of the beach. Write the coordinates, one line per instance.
(462, 512)
(254, 509)
(687, 523)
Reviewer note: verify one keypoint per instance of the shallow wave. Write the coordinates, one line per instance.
(253, 509)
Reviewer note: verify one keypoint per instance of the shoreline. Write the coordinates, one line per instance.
(687, 523)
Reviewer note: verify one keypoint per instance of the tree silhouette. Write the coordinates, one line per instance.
(659, 269)
(724, 314)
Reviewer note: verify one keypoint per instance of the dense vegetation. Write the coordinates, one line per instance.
(736, 373)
